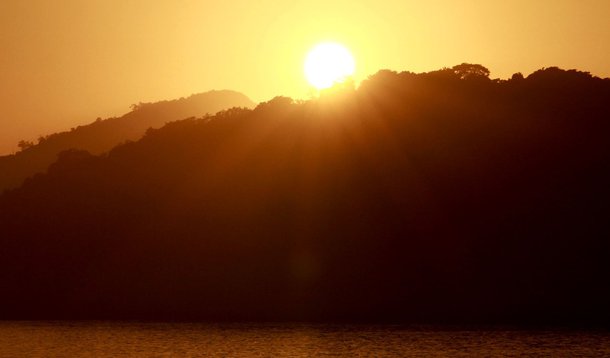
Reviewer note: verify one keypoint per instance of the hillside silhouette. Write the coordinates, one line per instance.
(102, 135)
(435, 197)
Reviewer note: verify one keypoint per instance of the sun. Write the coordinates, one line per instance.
(328, 63)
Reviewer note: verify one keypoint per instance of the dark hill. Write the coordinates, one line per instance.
(102, 135)
(434, 197)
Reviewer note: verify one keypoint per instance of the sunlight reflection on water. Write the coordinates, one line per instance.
(121, 339)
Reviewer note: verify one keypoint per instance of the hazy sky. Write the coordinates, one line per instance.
(66, 62)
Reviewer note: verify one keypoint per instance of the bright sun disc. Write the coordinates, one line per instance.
(328, 63)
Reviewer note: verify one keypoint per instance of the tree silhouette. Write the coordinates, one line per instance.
(23, 144)
(470, 71)
(517, 76)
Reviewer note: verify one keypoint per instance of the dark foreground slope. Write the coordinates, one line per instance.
(434, 197)
(103, 135)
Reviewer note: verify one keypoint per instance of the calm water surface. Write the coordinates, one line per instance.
(110, 339)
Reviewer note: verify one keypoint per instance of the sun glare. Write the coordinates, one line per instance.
(328, 63)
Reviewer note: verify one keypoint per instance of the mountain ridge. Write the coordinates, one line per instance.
(103, 134)
(441, 197)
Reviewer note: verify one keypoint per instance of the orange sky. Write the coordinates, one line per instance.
(64, 63)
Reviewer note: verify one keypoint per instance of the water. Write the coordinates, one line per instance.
(112, 339)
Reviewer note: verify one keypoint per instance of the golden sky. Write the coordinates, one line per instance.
(65, 62)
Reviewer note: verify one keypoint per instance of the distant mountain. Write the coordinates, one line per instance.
(102, 135)
(436, 197)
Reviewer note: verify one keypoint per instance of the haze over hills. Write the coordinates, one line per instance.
(102, 135)
(436, 197)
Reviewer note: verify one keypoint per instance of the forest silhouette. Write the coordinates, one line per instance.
(436, 197)
(103, 134)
